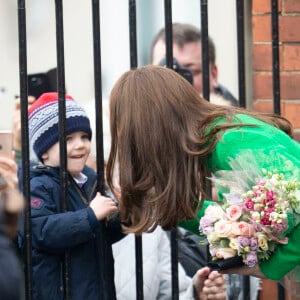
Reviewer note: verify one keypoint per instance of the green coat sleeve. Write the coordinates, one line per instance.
(283, 153)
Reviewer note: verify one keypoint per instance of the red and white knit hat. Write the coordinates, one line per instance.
(43, 121)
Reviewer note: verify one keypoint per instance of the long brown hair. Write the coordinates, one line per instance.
(160, 139)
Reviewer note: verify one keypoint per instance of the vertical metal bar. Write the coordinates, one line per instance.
(105, 285)
(205, 66)
(275, 56)
(132, 34)
(169, 33)
(25, 147)
(205, 50)
(241, 51)
(61, 96)
(138, 239)
(62, 135)
(139, 268)
(174, 264)
(246, 287)
(170, 64)
(276, 85)
(98, 94)
(242, 95)
(280, 292)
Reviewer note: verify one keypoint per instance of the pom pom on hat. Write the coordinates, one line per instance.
(43, 121)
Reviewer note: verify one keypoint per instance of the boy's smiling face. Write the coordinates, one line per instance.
(78, 151)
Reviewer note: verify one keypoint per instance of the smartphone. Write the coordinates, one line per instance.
(6, 140)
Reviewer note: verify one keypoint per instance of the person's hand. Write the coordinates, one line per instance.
(8, 174)
(247, 271)
(103, 206)
(11, 199)
(209, 284)
(16, 124)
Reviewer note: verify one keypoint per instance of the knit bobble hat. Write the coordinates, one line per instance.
(43, 121)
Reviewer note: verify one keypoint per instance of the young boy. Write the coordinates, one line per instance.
(78, 229)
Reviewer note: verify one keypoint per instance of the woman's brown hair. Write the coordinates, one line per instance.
(161, 136)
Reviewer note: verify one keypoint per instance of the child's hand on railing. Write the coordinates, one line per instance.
(103, 206)
(209, 284)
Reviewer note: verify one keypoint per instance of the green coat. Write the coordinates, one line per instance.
(272, 143)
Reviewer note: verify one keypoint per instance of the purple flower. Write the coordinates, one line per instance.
(251, 259)
(243, 241)
(253, 244)
(206, 224)
(233, 198)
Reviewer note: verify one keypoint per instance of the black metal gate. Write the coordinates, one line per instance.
(95, 6)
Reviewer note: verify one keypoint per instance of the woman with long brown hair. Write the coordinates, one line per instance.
(166, 139)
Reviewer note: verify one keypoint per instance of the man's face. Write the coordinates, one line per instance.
(190, 57)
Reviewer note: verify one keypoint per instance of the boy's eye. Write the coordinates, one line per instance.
(85, 137)
(68, 138)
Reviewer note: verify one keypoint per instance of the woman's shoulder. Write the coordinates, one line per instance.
(253, 135)
(250, 130)
(239, 118)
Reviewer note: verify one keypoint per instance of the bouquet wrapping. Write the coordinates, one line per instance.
(259, 208)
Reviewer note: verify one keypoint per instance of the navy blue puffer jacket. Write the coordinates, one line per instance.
(76, 231)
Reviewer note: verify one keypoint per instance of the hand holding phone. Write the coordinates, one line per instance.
(5, 150)
(6, 143)
(11, 201)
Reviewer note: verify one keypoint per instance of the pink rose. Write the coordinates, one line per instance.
(225, 253)
(243, 228)
(249, 204)
(223, 228)
(214, 211)
(233, 212)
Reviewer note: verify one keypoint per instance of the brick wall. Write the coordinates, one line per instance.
(289, 52)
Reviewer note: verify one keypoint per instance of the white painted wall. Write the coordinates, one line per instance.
(114, 42)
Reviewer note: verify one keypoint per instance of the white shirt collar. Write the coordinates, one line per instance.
(81, 179)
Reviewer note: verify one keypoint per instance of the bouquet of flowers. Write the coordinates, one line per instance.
(259, 208)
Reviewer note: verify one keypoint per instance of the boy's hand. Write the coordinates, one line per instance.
(103, 206)
(209, 284)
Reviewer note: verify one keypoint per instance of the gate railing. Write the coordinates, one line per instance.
(95, 5)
